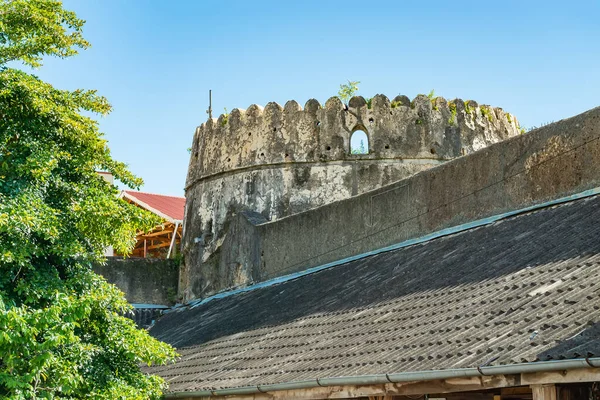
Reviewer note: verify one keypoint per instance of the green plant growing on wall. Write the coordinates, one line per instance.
(452, 107)
(62, 330)
(348, 90)
(432, 98)
(468, 109)
(396, 104)
(486, 112)
(225, 117)
(369, 101)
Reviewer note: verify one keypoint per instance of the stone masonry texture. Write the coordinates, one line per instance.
(260, 165)
(143, 280)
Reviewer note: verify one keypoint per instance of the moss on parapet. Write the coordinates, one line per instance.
(452, 107)
(399, 128)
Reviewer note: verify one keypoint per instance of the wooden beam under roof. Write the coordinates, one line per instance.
(148, 243)
(513, 387)
(157, 233)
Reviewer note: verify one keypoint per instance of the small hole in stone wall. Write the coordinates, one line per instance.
(359, 143)
(249, 133)
(387, 146)
(391, 113)
(196, 155)
(432, 150)
(262, 154)
(229, 159)
(274, 129)
(286, 155)
(318, 123)
(328, 148)
(371, 120)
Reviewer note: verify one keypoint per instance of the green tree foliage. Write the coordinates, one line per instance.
(62, 330)
(347, 91)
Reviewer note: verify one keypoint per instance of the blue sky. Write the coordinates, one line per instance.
(156, 60)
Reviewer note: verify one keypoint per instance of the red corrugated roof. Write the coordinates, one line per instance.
(170, 206)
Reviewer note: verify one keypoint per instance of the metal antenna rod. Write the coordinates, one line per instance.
(209, 111)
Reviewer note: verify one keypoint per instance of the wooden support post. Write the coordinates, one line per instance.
(544, 392)
(145, 249)
(173, 240)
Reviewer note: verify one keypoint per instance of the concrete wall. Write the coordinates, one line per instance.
(281, 161)
(548, 163)
(143, 280)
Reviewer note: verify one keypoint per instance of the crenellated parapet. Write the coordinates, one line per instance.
(423, 128)
(274, 162)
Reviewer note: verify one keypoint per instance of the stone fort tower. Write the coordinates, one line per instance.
(262, 165)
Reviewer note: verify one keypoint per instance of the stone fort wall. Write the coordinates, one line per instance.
(280, 161)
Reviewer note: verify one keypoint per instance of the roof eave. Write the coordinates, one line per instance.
(427, 375)
(144, 205)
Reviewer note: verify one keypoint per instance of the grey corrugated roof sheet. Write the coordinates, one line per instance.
(522, 289)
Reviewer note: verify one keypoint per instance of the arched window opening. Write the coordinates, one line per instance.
(359, 143)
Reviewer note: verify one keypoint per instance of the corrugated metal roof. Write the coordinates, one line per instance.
(165, 206)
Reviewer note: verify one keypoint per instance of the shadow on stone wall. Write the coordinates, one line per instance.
(143, 280)
(555, 161)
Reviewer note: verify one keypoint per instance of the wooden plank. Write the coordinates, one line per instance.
(157, 233)
(158, 239)
(462, 396)
(544, 392)
(509, 387)
(454, 385)
(159, 246)
(515, 390)
(558, 377)
(390, 389)
(514, 393)
(574, 392)
(140, 245)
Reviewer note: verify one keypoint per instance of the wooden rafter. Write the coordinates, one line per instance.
(155, 242)
(157, 233)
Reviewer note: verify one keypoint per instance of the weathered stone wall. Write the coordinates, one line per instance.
(549, 163)
(143, 280)
(279, 162)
